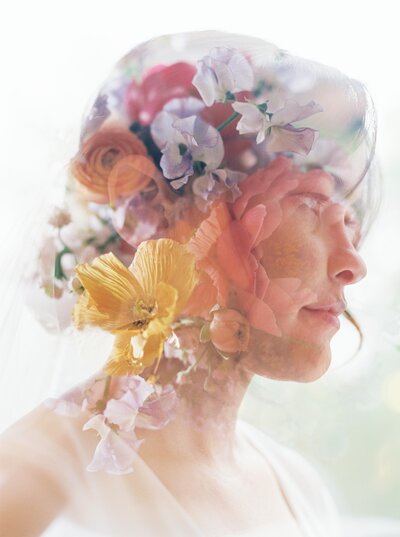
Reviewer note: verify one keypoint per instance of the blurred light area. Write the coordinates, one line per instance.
(391, 392)
(54, 56)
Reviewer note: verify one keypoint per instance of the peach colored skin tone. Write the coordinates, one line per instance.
(213, 467)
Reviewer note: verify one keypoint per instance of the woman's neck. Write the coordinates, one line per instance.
(206, 415)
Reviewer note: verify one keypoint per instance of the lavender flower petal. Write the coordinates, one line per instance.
(222, 71)
(175, 165)
(252, 120)
(159, 410)
(97, 115)
(161, 128)
(114, 454)
(293, 111)
(289, 138)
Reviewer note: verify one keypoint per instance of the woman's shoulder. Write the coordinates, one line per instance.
(45, 442)
(298, 476)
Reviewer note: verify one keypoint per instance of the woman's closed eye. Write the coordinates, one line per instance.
(316, 202)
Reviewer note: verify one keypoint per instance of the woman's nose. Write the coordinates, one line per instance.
(344, 263)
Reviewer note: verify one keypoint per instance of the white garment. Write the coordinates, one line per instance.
(138, 504)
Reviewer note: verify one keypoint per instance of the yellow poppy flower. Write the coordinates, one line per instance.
(138, 304)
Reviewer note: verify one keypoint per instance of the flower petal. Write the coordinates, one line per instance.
(252, 221)
(209, 231)
(158, 411)
(153, 349)
(111, 290)
(166, 301)
(260, 182)
(258, 313)
(130, 175)
(293, 111)
(252, 120)
(114, 454)
(121, 360)
(173, 164)
(206, 83)
(167, 261)
(203, 297)
(233, 254)
(292, 139)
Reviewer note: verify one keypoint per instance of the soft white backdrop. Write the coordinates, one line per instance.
(54, 55)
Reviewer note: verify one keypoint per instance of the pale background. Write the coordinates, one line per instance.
(53, 57)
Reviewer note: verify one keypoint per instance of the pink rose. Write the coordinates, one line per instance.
(227, 244)
(229, 331)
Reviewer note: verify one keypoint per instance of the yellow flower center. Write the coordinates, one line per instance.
(143, 314)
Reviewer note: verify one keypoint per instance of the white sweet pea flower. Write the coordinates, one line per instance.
(277, 127)
(224, 70)
(115, 452)
(123, 411)
(253, 120)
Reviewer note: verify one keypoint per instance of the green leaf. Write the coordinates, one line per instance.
(263, 107)
(229, 96)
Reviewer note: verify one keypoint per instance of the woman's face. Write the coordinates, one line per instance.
(313, 249)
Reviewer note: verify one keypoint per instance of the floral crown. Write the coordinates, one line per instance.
(182, 170)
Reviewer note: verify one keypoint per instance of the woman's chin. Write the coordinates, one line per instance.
(314, 367)
(290, 360)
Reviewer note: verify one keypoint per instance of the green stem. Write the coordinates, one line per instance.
(67, 249)
(58, 271)
(107, 387)
(102, 403)
(227, 121)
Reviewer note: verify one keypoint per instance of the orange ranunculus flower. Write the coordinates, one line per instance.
(229, 331)
(112, 163)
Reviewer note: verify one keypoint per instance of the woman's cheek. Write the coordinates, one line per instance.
(288, 255)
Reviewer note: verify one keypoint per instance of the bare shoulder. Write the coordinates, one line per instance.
(39, 468)
(45, 441)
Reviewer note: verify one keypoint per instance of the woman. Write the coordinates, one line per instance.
(213, 217)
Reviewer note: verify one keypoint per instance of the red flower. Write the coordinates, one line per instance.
(160, 84)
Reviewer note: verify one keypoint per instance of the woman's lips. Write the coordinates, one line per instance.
(323, 316)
